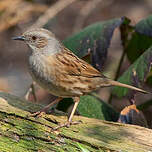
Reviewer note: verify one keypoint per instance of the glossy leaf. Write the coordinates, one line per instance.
(140, 39)
(145, 26)
(93, 107)
(142, 66)
(94, 39)
(137, 45)
(65, 104)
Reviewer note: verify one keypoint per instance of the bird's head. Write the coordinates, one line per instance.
(40, 40)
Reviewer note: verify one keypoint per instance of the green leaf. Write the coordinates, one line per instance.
(92, 107)
(65, 104)
(145, 26)
(140, 40)
(142, 66)
(137, 45)
(94, 39)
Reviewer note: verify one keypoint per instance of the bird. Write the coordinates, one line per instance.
(56, 69)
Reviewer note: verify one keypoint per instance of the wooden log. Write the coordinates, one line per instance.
(20, 133)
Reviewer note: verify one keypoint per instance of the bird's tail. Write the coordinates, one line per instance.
(116, 83)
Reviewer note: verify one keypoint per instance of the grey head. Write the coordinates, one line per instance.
(40, 41)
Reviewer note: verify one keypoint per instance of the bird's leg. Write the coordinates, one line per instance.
(69, 122)
(76, 102)
(45, 109)
(31, 90)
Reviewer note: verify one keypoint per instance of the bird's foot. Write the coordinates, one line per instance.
(37, 114)
(67, 124)
(45, 109)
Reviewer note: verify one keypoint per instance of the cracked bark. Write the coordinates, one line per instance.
(21, 133)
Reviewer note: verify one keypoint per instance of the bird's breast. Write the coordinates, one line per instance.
(46, 75)
(41, 72)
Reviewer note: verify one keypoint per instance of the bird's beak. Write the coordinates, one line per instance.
(21, 38)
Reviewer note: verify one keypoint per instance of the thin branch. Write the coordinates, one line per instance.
(84, 13)
(120, 64)
(51, 12)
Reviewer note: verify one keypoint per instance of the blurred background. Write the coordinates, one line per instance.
(64, 18)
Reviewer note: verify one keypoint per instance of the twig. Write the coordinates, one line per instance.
(51, 12)
(84, 12)
(31, 90)
(120, 64)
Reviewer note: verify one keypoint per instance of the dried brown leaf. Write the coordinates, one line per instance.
(131, 115)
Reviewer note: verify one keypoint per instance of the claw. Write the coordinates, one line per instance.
(67, 124)
(45, 109)
(37, 114)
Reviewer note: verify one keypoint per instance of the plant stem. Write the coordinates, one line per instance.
(118, 71)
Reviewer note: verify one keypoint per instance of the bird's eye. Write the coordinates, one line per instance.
(34, 38)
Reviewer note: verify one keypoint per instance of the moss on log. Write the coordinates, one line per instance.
(19, 133)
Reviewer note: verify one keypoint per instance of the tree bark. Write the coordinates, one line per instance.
(20, 133)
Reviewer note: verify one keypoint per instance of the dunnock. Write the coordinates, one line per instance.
(58, 70)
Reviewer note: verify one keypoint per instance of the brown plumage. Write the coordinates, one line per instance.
(58, 70)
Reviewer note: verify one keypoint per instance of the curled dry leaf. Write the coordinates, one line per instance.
(131, 115)
(13, 12)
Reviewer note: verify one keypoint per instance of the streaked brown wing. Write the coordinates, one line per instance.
(74, 66)
(71, 75)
